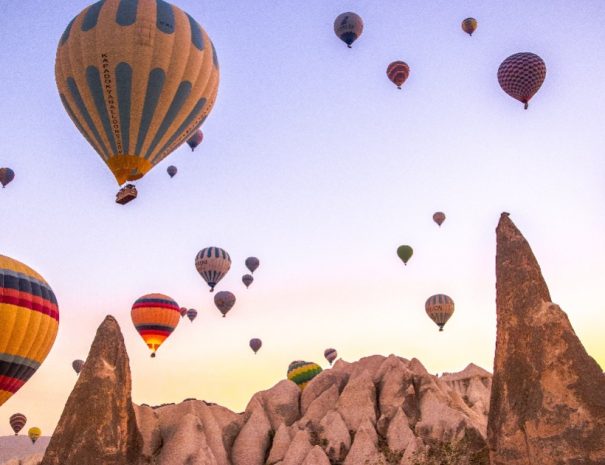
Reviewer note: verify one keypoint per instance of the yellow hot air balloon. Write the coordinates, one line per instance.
(155, 317)
(137, 78)
(34, 433)
(469, 25)
(29, 320)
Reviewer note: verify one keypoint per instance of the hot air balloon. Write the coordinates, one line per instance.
(171, 170)
(256, 344)
(77, 365)
(404, 252)
(348, 27)
(183, 312)
(29, 320)
(439, 308)
(34, 433)
(330, 355)
(6, 176)
(439, 218)
(247, 279)
(521, 75)
(398, 72)
(192, 314)
(469, 25)
(17, 422)
(252, 264)
(137, 78)
(212, 263)
(155, 316)
(196, 139)
(302, 372)
(224, 301)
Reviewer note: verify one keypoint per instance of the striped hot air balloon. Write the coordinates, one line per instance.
(469, 25)
(439, 308)
(398, 72)
(302, 372)
(155, 316)
(521, 75)
(77, 365)
(17, 422)
(255, 344)
(6, 176)
(192, 314)
(196, 139)
(34, 433)
(212, 263)
(29, 320)
(137, 78)
(348, 27)
(330, 355)
(224, 301)
(247, 279)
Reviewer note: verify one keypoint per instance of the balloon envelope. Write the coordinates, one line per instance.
(192, 314)
(212, 263)
(136, 78)
(196, 139)
(77, 365)
(34, 433)
(183, 312)
(302, 372)
(521, 75)
(171, 170)
(405, 252)
(469, 25)
(17, 422)
(224, 301)
(439, 308)
(155, 316)
(255, 344)
(398, 73)
(348, 27)
(330, 355)
(252, 263)
(6, 176)
(247, 279)
(439, 218)
(29, 320)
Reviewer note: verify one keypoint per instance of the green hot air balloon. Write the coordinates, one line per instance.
(405, 252)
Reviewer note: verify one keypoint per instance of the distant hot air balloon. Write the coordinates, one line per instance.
(348, 27)
(192, 314)
(330, 355)
(224, 301)
(256, 344)
(404, 252)
(17, 422)
(34, 433)
(521, 75)
(212, 263)
(6, 176)
(171, 170)
(439, 308)
(398, 72)
(252, 263)
(439, 218)
(247, 279)
(136, 78)
(469, 25)
(155, 316)
(303, 372)
(77, 365)
(29, 320)
(196, 139)
(183, 312)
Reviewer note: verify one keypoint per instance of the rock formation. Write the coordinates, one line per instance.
(548, 394)
(98, 424)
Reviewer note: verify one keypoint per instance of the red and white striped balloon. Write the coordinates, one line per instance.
(398, 72)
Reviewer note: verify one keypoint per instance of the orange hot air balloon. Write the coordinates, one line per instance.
(155, 316)
(521, 75)
(398, 72)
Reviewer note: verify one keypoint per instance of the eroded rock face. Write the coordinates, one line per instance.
(548, 394)
(98, 424)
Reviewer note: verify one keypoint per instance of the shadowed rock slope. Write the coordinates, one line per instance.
(548, 394)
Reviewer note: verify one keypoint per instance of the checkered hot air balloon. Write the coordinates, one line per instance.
(302, 372)
(155, 317)
(348, 27)
(439, 308)
(469, 25)
(521, 75)
(398, 72)
(17, 422)
(212, 263)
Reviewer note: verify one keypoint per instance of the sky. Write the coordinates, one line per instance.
(314, 162)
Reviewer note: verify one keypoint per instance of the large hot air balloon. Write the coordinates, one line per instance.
(348, 27)
(29, 320)
(255, 344)
(521, 75)
(212, 263)
(192, 314)
(439, 218)
(252, 263)
(137, 78)
(404, 252)
(247, 279)
(439, 308)
(6, 176)
(302, 372)
(196, 139)
(17, 422)
(183, 312)
(469, 25)
(77, 365)
(171, 170)
(34, 433)
(398, 72)
(155, 316)
(330, 355)
(224, 301)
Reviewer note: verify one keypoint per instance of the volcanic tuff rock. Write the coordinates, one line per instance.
(548, 394)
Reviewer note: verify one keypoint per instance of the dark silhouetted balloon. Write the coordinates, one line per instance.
(348, 27)
(77, 365)
(247, 279)
(6, 176)
(252, 263)
(405, 252)
(256, 344)
(196, 139)
(224, 301)
(192, 314)
(171, 170)
(439, 218)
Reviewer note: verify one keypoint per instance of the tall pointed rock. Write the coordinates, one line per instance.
(98, 424)
(548, 394)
